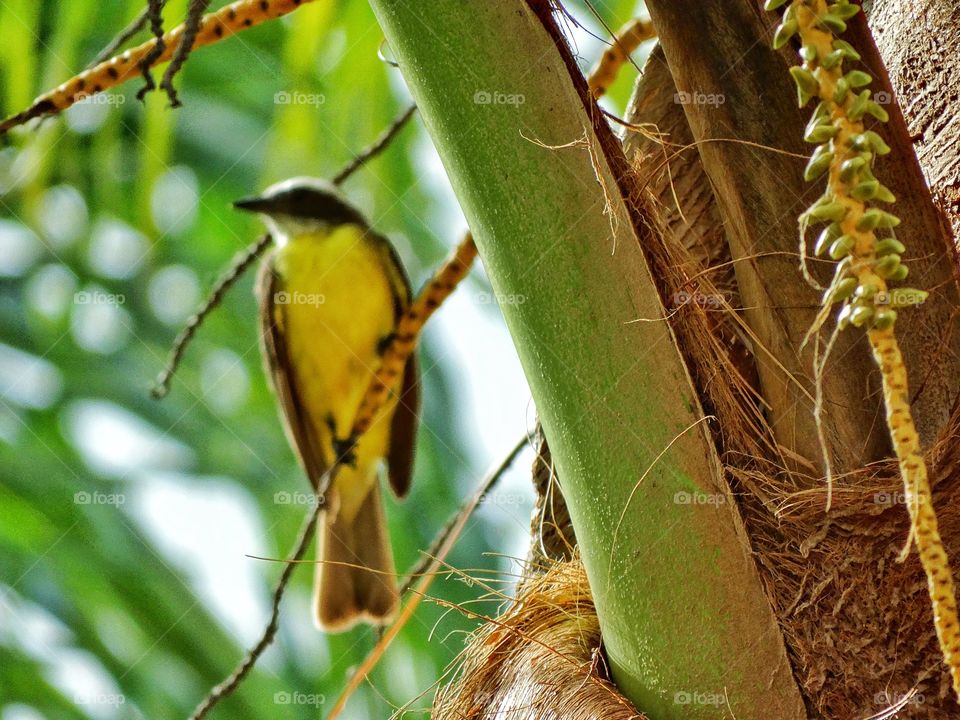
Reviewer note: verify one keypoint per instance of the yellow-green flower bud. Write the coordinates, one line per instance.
(887, 265)
(821, 133)
(884, 195)
(865, 190)
(878, 112)
(840, 91)
(807, 85)
(844, 10)
(842, 246)
(900, 274)
(832, 23)
(874, 218)
(867, 291)
(832, 59)
(829, 234)
(819, 163)
(858, 78)
(786, 30)
(842, 290)
(861, 315)
(827, 210)
(859, 105)
(849, 168)
(884, 319)
(887, 246)
(848, 50)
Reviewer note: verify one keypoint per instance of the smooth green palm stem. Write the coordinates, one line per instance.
(685, 623)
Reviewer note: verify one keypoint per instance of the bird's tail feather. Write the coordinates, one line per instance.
(356, 579)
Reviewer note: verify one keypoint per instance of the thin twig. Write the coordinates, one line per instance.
(155, 15)
(461, 514)
(135, 26)
(229, 686)
(243, 261)
(375, 148)
(191, 27)
(426, 571)
(628, 39)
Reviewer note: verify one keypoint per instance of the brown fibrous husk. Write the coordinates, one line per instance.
(541, 658)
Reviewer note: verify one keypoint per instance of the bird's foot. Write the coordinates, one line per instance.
(345, 450)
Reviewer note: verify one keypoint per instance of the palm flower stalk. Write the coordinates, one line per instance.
(845, 153)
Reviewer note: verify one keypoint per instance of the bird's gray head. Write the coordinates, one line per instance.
(302, 204)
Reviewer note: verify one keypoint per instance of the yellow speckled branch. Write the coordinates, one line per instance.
(214, 27)
(444, 281)
(627, 40)
(917, 496)
(846, 152)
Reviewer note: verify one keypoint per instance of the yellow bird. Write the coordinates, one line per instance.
(331, 295)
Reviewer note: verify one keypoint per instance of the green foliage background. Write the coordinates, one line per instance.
(108, 596)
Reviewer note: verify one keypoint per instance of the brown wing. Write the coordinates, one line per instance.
(295, 420)
(403, 427)
(403, 430)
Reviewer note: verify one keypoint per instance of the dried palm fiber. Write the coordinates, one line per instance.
(672, 171)
(542, 657)
(552, 539)
(690, 258)
(857, 624)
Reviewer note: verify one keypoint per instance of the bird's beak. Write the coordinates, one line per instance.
(253, 204)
